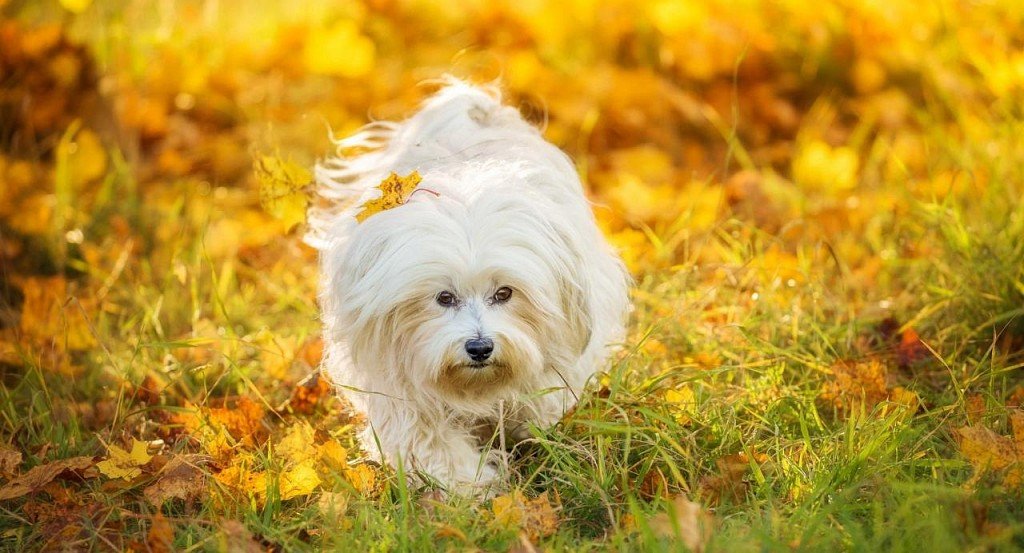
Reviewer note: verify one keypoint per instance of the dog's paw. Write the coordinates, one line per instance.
(520, 433)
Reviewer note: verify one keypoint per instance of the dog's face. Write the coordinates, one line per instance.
(465, 298)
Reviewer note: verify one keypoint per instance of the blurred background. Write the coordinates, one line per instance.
(798, 188)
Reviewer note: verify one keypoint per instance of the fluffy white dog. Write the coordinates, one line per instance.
(485, 304)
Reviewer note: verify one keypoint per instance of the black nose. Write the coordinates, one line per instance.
(479, 349)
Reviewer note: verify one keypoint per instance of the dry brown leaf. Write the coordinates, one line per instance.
(39, 476)
(911, 349)
(976, 409)
(990, 452)
(10, 459)
(853, 384)
(235, 537)
(686, 521)
(729, 483)
(160, 538)
(180, 478)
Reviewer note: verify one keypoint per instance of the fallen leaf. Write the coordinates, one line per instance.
(683, 402)
(308, 395)
(124, 464)
(238, 478)
(160, 538)
(10, 459)
(975, 408)
(990, 452)
(282, 186)
(855, 384)
(333, 455)
(537, 517)
(244, 421)
(235, 537)
(687, 521)
(299, 480)
(298, 445)
(911, 349)
(39, 476)
(180, 478)
(394, 191)
(730, 482)
(333, 503)
(363, 478)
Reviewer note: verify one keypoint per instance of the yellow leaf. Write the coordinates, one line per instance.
(84, 156)
(282, 188)
(297, 446)
(75, 6)
(333, 455)
(818, 166)
(339, 50)
(124, 464)
(394, 191)
(537, 517)
(299, 480)
(238, 477)
(363, 479)
(684, 401)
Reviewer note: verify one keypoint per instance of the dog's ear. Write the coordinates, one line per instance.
(574, 294)
(577, 310)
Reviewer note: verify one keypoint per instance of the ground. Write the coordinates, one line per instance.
(820, 205)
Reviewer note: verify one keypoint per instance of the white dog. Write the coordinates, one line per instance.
(486, 303)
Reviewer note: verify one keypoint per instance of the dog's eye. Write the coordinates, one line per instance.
(502, 295)
(446, 299)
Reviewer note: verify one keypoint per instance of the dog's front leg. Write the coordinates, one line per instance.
(434, 447)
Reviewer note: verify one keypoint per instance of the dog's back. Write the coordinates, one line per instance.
(458, 124)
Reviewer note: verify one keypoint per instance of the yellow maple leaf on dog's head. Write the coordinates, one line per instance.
(395, 190)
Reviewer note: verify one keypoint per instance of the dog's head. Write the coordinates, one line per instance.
(464, 297)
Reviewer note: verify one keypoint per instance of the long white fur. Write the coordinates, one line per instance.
(509, 211)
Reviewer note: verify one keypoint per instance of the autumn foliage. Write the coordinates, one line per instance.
(820, 204)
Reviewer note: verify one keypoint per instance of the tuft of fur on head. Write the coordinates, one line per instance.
(507, 213)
